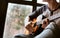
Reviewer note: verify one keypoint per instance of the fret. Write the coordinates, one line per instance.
(53, 17)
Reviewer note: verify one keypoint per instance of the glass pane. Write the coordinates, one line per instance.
(14, 23)
(41, 1)
(28, 0)
(57, 0)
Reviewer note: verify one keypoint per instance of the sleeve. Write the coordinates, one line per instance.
(46, 13)
(57, 21)
(51, 26)
(48, 31)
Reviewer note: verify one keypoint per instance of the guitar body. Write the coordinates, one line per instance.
(35, 29)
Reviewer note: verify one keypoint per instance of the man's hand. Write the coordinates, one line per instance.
(45, 23)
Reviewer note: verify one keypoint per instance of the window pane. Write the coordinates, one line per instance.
(41, 1)
(57, 0)
(14, 23)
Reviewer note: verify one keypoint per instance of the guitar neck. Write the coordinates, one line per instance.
(53, 17)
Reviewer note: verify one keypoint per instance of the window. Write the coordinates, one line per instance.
(14, 23)
(15, 16)
(57, 0)
(41, 2)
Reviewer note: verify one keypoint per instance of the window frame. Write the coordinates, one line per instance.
(4, 3)
(33, 3)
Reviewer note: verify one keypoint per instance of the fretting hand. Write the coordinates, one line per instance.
(45, 23)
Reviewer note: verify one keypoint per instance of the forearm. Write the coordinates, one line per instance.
(47, 32)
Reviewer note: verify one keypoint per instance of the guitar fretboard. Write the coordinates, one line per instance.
(53, 17)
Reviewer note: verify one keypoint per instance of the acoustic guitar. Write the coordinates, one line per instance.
(33, 27)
